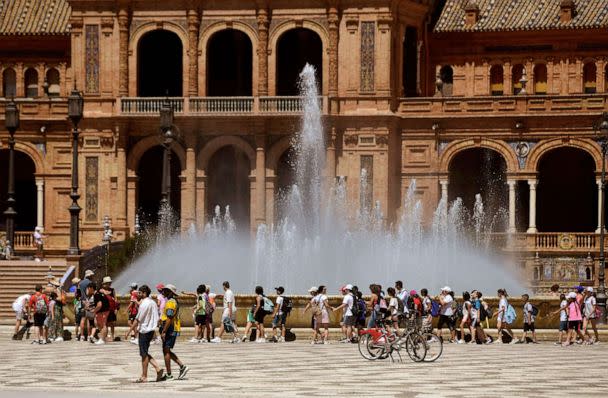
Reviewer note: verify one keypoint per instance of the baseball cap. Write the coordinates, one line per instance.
(313, 289)
(160, 286)
(446, 289)
(413, 292)
(348, 287)
(279, 289)
(590, 289)
(572, 295)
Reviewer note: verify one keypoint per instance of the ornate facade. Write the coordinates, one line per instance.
(462, 96)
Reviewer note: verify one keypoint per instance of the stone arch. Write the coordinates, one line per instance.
(204, 38)
(31, 151)
(136, 36)
(216, 143)
(143, 145)
(589, 146)
(499, 146)
(275, 153)
(273, 39)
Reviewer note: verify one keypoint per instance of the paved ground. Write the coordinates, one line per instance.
(298, 369)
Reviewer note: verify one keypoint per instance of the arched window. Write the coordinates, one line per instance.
(516, 75)
(296, 48)
(159, 64)
(53, 79)
(588, 273)
(229, 64)
(9, 83)
(540, 79)
(446, 74)
(589, 76)
(496, 80)
(31, 83)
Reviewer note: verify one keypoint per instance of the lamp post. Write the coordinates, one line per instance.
(166, 124)
(107, 238)
(75, 110)
(11, 120)
(601, 291)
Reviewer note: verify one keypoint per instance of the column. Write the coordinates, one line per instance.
(332, 21)
(121, 181)
(330, 159)
(189, 192)
(40, 203)
(201, 204)
(193, 26)
(260, 180)
(123, 52)
(444, 196)
(262, 51)
(532, 227)
(599, 206)
(512, 229)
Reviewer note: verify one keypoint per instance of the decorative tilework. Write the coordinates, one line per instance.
(92, 177)
(368, 42)
(92, 59)
(366, 193)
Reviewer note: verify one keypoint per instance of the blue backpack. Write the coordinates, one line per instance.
(435, 308)
(510, 314)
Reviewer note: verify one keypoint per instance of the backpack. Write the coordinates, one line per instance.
(316, 307)
(435, 308)
(201, 305)
(287, 305)
(411, 306)
(268, 306)
(355, 309)
(457, 309)
(510, 314)
(41, 306)
(400, 307)
(362, 309)
(485, 312)
(112, 303)
(535, 311)
(383, 308)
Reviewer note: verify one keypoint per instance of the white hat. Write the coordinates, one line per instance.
(88, 273)
(171, 288)
(134, 285)
(106, 279)
(590, 289)
(571, 295)
(313, 289)
(348, 287)
(446, 289)
(55, 282)
(75, 280)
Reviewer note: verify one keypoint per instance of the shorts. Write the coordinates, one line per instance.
(474, 322)
(170, 339)
(259, 316)
(563, 326)
(20, 315)
(101, 318)
(250, 316)
(447, 321)
(313, 323)
(228, 325)
(39, 319)
(349, 320)
(529, 327)
(78, 317)
(574, 325)
(360, 323)
(132, 317)
(47, 321)
(144, 343)
(200, 320)
(279, 320)
(112, 316)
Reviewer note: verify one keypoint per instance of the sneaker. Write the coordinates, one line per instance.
(343, 341)
(100, 342)
(460, 341)
(281, 339)
(193, 340)
(489, 341)
(261, 340)
(313, 342)
(58, 339)
(134, 341)
(182, 372)
(92, 339)
(236, 340)
(216, 340)
(557, 343)
(517, 342)
(325, 341)
(243, 339)
(168, 376)
(43, 342)
(35, 342)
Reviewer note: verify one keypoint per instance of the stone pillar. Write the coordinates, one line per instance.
(444, 195)
(201, 200)
(507, 73)
(333, 28)
(121, 182)
(330, 158)
(599, 206)
(131, 197)
(532, 226)
(20, 80)
(123, 52)
(262, 51)
(601, 75)
(40, 203)
(260, 180)
(189, 202)
(193, 27)
(512, 228)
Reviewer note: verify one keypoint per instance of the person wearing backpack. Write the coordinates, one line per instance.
(200, 315)
(575, 317)
(263, 307)
(466, 317)
(479, 313)
(101, 300)
(503, 323)
(446, 313)
(348, 319)
(316, 311)
(427, 311)
(39, 307)
(279, 317)
(590, 315)
(106, 285)
(530, 313)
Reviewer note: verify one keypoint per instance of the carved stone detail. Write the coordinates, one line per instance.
(351, 140)
(123, 52)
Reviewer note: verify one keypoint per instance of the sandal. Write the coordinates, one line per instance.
(140, 380)
(160, 375)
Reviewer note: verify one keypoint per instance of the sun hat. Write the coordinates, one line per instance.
(171, 288)
(75, 280)
(55, 282)
(590, 289)
(160, 286)
(446, 289)
(106, 279)
(572, 295)
(313, 289)
(413, 292)
(88, 273)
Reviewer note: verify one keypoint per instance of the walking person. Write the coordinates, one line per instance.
(263, 307)
(110, 293)
(316, 311)
(279, 317)
(563, 320)
(529, 319)
(101, 310)
(39, 243)
(21, 308)
(348, 319)
(60, 301)
(51, 318)
(322, 320)
(466, 317)
(200, 316)
(228, 324)
(446, 314)
(575, 318)
(502, 321)
(427, 311)
(39, 307)
(374, 304)
(590, 316)
(145, 322)
(132, 309)
(170, 329)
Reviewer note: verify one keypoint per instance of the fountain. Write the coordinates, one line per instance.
(320, 240)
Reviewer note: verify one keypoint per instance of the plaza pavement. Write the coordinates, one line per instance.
(79, 369)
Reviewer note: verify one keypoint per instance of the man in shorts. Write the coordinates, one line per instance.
(101, 311)
(20, 306)
(228, 316)
(279, 317)
(170, 329)
(348, 319)
(446, 313)
(145, 322)
(39, 307)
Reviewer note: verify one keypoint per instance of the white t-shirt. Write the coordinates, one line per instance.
(589, 304)
(394, 303)
(37, 237)
(18, 305)
(446, 307)
(503, 304)
(563, 317)
(528, 317)
(229, 300)
(348, 300)
(279, 305)
(320, 300)
(147, 316)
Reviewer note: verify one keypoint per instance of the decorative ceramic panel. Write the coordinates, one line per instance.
(92, 59)
(368, 43)
(92, 177)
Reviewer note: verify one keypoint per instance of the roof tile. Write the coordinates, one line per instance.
(34, 17)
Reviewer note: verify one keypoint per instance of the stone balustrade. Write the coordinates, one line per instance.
(221, 105)
(24, 240)
(149, 105)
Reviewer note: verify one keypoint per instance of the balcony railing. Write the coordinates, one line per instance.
(512, 104)
(583, 242)
(149, 105)
(24, 240)
(221, 105)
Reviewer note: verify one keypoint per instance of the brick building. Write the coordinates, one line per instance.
(493, 97)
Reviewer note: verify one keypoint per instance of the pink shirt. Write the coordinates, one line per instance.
(574, 311)
(162, 301)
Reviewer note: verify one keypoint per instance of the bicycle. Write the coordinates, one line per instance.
(434, 345)
(380, 343)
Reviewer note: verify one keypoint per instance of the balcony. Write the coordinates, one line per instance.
(504, 105)
(24, 241)
(39, 108)
(548, 242)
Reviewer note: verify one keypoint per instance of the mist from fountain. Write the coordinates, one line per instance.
(321, 240)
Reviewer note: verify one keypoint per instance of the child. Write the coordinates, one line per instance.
(528, 321)
(573, 310)
(279, 317)
(563, 319)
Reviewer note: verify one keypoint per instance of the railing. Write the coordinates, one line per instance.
(24, 240)
(149, 105)
(283, 104)
(505, 104)
(566, 241)
(221, 105)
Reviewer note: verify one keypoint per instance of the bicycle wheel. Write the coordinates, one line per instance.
(415, 347)
(434, 347)
(363, 347)
(377, 349)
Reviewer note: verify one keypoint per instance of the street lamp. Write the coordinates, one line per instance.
(601, 291)
(11, 120)
(75, 111)
(166, 126)
(107, 238)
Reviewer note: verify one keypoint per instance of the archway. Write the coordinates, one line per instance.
(446, 74)
(229, 64)
(517, 72)
(589, 77)
(481, 171)
(296, 48)
(9, 83)
(540, 79)
(228, 184)
(159, 64)
(25, 190)
(567, 191)
(496, 80)
(286, 178)
(149, 190)
(409, 72)
(31, 83)
(53, 80)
